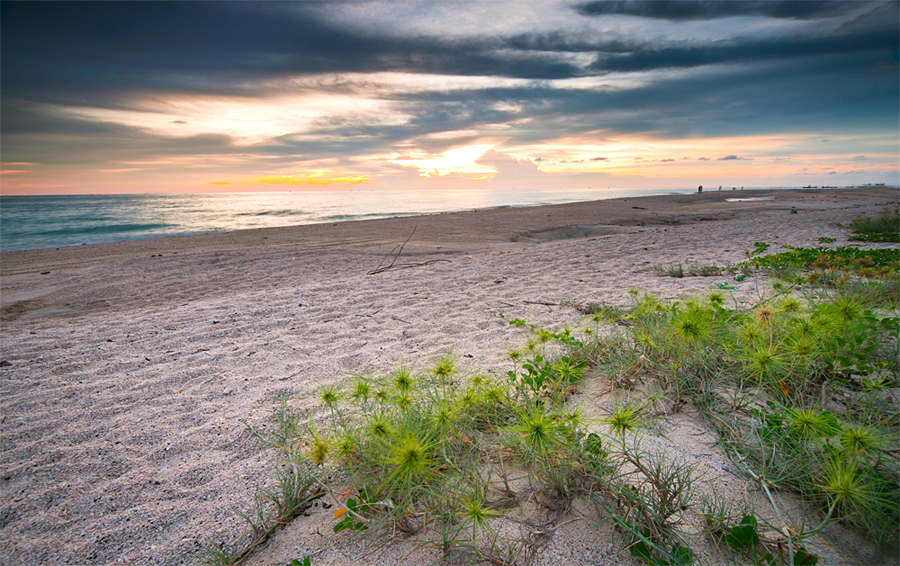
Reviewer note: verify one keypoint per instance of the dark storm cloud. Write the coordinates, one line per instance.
(878, 29)
(803, 93)
(80, 49)
(741, 50)
(63, 49)
(680, 10)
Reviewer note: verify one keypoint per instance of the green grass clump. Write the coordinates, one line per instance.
(885, 228)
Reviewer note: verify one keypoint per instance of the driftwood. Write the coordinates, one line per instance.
(399, 249)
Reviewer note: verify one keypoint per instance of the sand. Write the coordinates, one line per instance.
(133, 366)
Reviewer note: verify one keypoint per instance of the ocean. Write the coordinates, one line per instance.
(28, 222)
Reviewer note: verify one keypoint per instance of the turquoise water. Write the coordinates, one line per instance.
(28, 222)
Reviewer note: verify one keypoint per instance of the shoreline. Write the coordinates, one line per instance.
(133, 367)
(351, 217)
(512, 221)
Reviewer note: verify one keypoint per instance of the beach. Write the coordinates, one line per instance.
(133, 368)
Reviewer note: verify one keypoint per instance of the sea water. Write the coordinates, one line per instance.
(42, 221)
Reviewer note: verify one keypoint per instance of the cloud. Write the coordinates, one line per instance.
(81, 82)
(300, 180)
(511, 171)
(731, 158)
(70, 49)
(707, 10)
(860, 158)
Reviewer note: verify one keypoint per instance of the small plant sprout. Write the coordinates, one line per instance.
(808, 423)
(847, 309)
(345, 445)
(442, 416)
(382, 394)
(403, 400)
(544, 337)
(573, 419)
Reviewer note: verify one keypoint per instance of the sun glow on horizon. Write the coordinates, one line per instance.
(459, 160)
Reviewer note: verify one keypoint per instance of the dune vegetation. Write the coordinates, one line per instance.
(800, 390)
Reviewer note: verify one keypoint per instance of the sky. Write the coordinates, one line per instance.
(122, 97)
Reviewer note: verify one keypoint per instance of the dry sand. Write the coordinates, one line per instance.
(135, 364)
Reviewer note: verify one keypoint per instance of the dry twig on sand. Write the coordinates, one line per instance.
(382, 268)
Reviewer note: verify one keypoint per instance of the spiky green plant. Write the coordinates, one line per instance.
(858, 439)
(411, 456)
(362, 388)
(535, 431)
(319, 446)
(475, 511)
(716, 299)
(380, 426)
(765, 364)
(444, 366)
(629, 416)
(691, 325)
(402, 379)
(330, 395)
(848, 491)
